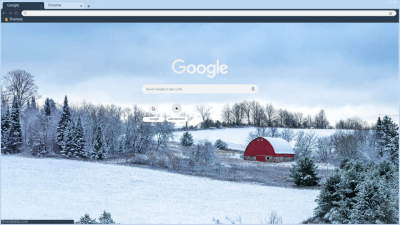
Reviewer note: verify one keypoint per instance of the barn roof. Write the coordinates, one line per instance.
(280, 146)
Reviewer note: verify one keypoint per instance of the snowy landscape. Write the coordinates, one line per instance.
(76, 141)
(64, 189)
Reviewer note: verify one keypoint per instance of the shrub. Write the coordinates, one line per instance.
(221, 145)
(86, 220)
(105, 218)
(204, 153)
(187, 139)
(303, 173)
(274, 218)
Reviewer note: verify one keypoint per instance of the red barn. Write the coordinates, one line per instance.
(267, 149)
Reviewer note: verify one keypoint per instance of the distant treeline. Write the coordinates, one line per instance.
(253, 113)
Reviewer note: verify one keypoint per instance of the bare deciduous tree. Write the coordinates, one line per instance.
(257, 113)
(188, 118)
(226, 114)
(247, 110)
(321, 121)
(204, 111)
(324, 148)
(305, 142)
(21, 84)
(270, 114)
(238, 113)
(298, 119)
(281, 117)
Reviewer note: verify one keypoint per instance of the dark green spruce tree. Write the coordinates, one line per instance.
(79, 140)
(99, 150)
(63, 123)
(388, 139)
(14, 141)
(69, 146)
(5, 127)
(304, 172)
(47, 107)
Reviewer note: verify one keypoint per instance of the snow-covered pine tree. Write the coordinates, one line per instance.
(187, 139)
(360, 192)
(392, 149)
(63, 123)
(387, 133)
(5, 127)
(87, 220)
(105, 218)
(99, 149)
(379, 138)
(69, 146)
(304, 173)
(391, 130)
(14, 141)
(79, 140)
(47, 107)
(373, 204)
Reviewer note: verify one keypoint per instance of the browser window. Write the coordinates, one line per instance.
(199, 112)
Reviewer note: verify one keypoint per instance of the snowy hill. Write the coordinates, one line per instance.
(236, 138)
(66, 189)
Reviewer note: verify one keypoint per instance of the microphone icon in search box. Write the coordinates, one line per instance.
(252, 88)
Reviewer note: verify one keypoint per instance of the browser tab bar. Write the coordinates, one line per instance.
(64, 5)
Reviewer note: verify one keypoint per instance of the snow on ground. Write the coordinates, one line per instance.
(66, 189)
(236, 138)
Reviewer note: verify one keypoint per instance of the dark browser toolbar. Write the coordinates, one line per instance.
(36, 12)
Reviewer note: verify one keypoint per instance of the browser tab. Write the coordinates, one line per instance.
(64, 5)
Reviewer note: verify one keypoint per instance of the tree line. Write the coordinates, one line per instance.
(255, 114)
(83, 130)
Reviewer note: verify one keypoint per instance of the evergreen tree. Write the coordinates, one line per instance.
(379, 137)
(99, 150)
(221, 145)
(5, 127)
(360, 192)
(304, 173)
(80, 140)
(373, 204)
(47, 107)
(387, 132)
(63, 123)
(187, 139)
(14, 141)
(86, 220)
(69, 145)
(105, 218)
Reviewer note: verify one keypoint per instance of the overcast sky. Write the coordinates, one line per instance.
(346, 69)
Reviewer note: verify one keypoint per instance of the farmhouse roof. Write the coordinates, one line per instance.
(280, 146)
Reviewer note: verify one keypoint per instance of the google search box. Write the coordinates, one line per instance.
(200, 89)
(205, 13)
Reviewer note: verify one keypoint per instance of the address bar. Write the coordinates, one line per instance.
(205, 13)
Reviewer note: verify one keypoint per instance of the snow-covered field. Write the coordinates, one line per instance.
(236, 138)
(66, 189)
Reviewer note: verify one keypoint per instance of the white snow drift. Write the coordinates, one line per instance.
(66, 189)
